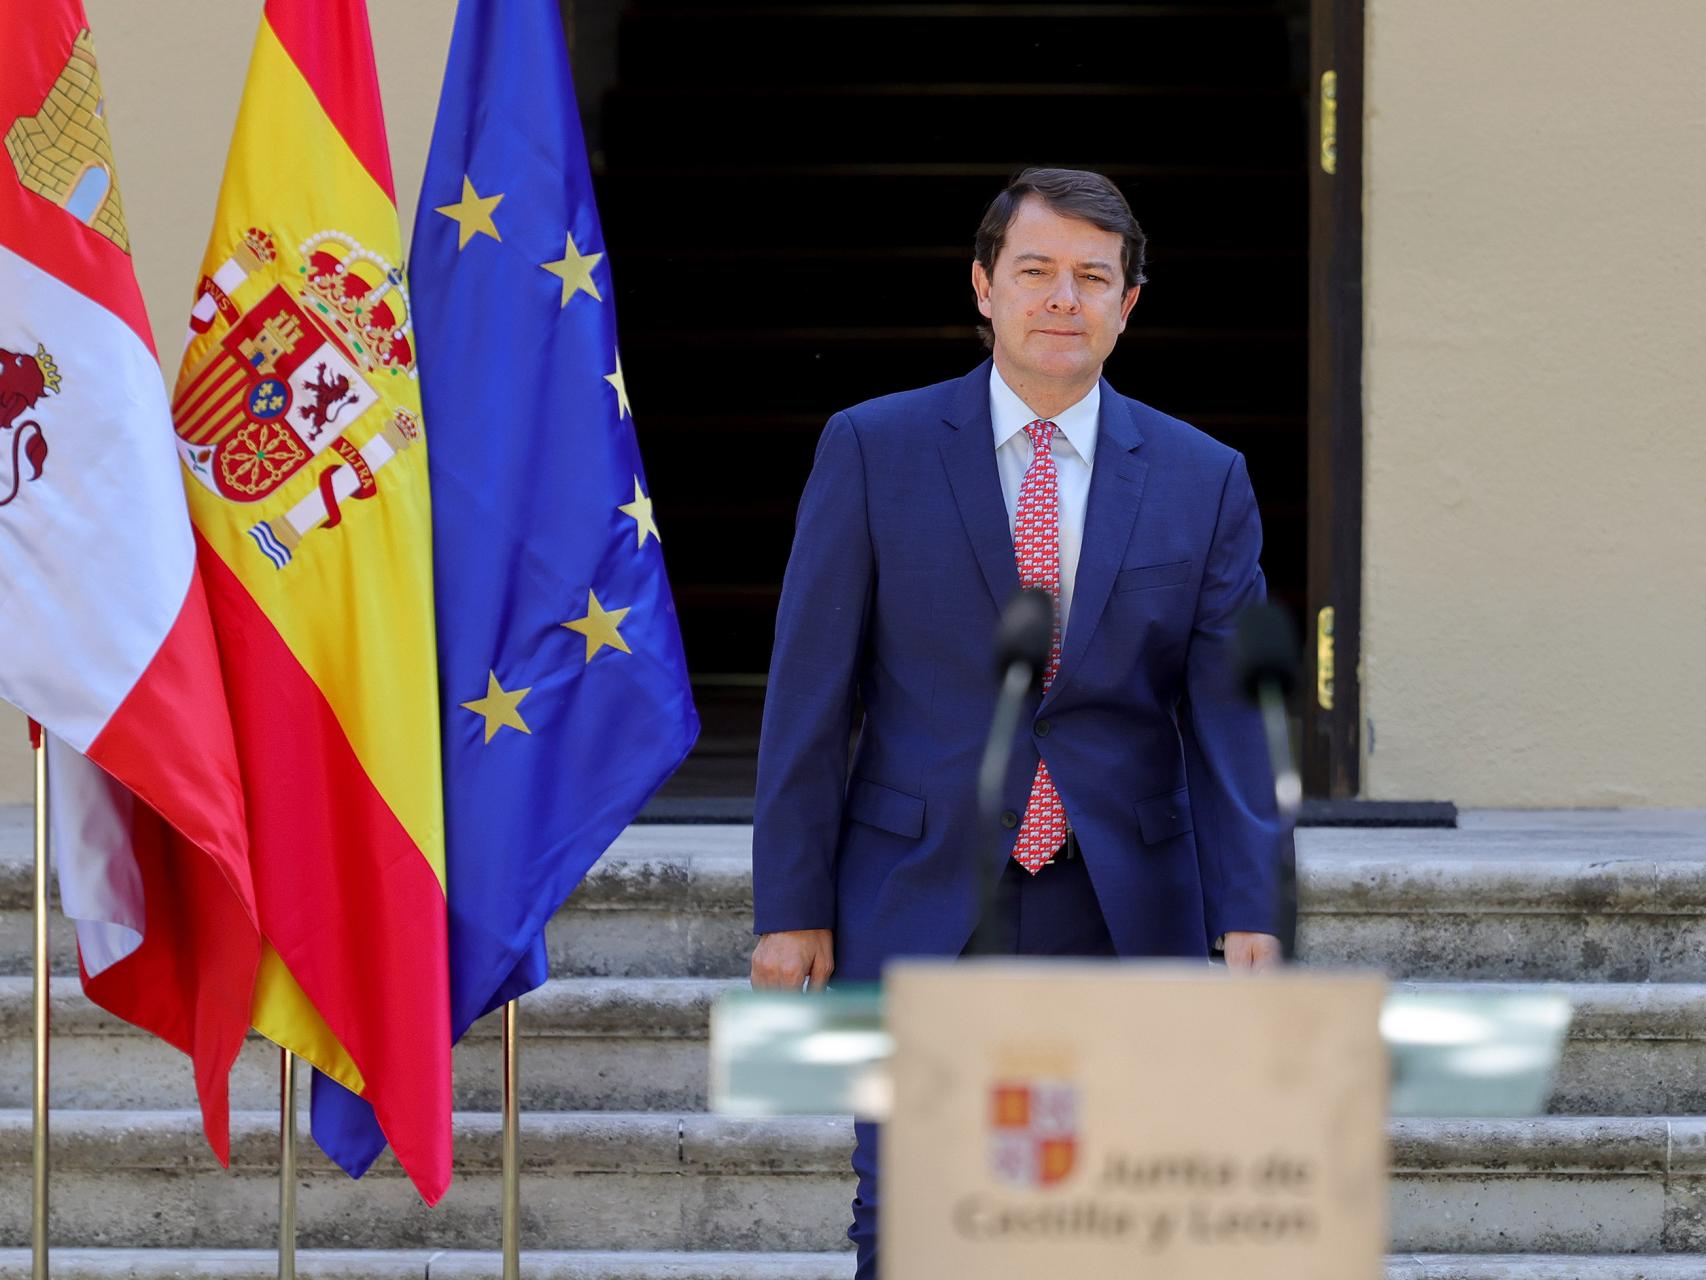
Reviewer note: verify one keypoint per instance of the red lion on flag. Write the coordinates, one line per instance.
(24, 380)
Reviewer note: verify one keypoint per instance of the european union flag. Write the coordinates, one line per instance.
(563, 689)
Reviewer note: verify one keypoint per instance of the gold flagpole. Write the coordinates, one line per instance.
(38, 1202)
(287, 1166)
(511, 1149)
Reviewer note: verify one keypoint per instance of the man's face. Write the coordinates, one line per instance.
(1055, 298)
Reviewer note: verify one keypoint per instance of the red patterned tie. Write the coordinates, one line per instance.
(1036, 544)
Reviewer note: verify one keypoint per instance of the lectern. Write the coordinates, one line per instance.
(1100, 1120)
(1152, 1120)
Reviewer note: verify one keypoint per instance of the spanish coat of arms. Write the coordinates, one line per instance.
(288, 379)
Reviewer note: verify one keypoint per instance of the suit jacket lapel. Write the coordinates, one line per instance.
(1116, 488)
(968, 453)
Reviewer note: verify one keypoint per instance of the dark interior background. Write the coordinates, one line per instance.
(789, 193)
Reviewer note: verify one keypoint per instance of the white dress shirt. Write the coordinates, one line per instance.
(1074, 450)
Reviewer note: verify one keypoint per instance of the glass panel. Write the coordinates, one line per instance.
(1452, 1053)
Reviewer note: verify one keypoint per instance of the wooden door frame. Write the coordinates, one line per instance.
(1332, 734)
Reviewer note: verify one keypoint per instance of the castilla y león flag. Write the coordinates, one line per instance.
(103, 614)
(298, 424)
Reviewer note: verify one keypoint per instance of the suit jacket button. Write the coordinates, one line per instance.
(1042, 728)
(1009, 819)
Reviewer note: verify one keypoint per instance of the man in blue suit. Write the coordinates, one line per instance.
(1139, 818)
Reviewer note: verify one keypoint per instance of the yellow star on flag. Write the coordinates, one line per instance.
(599, 627)
(623, 408)
(640, 510)
(499, 707)
(574, 268)
(473, 215)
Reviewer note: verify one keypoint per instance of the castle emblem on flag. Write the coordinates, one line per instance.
(24, 380)
(290, 377)
(1033, 1131)
(63, 153)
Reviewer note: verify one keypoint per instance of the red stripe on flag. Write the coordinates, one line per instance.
(37, 48)
(187, 399)
(220, 371)
(332, 46)
(345, 896)
(212, 431)
(194, 426)
(192, 980)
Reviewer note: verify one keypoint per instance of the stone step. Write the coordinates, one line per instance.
(1553, 1185)
(421, 1264)
(1634, 1049)
(1540, 1266)
(635, 1044)
(424, 1264)
(468, 1265)
(588, 1044)
(623, 1181)
(591, 1180)
(666, 901)
(1530, 897)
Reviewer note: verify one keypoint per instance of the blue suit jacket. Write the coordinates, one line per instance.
(901, 563)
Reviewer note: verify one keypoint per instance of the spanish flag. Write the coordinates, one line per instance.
(297, 414)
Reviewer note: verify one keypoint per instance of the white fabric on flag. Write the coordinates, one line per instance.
(97, 562)
(100, 885)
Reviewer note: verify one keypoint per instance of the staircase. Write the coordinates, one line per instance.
(627, 1178)
(789, 193)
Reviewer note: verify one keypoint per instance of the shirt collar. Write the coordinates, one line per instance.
(1011, 415)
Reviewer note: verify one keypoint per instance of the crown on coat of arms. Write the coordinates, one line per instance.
(258, 246)
(363, 298)
(49, 370)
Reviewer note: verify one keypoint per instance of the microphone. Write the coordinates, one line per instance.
(1024, 641)
(1266, 670)
(1266, 673)
(1267, 650)
(1026, 635)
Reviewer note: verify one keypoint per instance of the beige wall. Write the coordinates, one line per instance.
(173, 73)
(1535, 554)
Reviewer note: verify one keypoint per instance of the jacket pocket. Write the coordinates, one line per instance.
(885, 808)
(1164, 816)
(1153, 575)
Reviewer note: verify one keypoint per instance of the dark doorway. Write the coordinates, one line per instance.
(1331, 701)
(789, 193)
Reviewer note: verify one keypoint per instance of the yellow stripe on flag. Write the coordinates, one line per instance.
(283, 1013)
(329, 607)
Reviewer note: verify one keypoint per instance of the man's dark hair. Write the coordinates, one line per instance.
(1073, 193)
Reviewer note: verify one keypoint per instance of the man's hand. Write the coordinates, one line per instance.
(786, 961)
(1255, 952)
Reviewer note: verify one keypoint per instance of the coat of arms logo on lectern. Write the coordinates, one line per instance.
(1033, 1131)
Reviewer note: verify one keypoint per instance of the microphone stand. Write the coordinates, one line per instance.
(1022, 646)
(987, 938)
(1268, 662)
(1288, 797)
